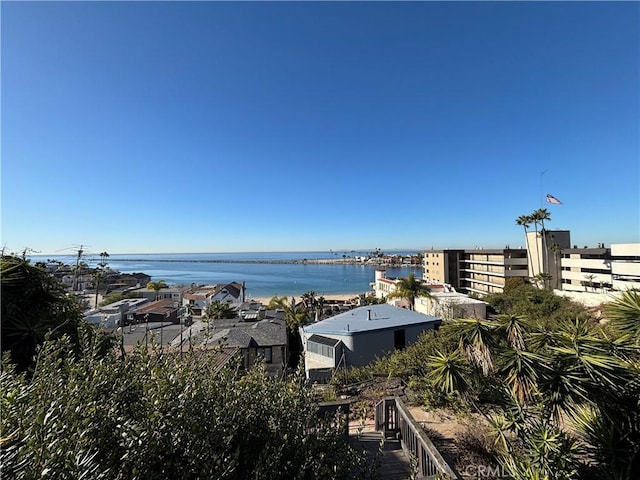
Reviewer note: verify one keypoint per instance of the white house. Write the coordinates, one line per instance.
(201, 297)
(357, 337)
(451, 305)
(112, 315)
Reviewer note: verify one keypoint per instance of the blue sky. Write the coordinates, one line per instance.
(224, 126)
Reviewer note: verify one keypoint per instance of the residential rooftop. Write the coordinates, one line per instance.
(368, 318)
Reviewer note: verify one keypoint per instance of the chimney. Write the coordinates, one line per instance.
(368, 314)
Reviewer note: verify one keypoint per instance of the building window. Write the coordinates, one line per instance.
(320, 349)
(399, 340)
(265, 352)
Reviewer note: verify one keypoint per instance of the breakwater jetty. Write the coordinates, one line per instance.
(304, 261)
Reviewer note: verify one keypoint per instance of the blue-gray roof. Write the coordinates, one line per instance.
(359, 320)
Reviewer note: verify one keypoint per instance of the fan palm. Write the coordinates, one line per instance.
(449, 372)
(409, 289)
(539, 217)
(476, 341)
(157, 286)
(525, 221)
(624, 314)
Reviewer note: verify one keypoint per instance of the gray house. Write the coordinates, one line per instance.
(265, 339)
(357, 337)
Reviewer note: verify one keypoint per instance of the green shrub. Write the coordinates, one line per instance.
(150, 416)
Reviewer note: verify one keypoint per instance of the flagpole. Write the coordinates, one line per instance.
(541, 197)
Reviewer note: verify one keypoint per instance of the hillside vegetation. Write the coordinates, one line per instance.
(557, 392)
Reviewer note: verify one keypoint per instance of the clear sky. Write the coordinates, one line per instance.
(241, 126)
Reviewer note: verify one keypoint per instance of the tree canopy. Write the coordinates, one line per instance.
(34, 306)
(410, 288)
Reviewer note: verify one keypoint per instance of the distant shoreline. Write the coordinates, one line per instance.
(313, 261)
(328, 298)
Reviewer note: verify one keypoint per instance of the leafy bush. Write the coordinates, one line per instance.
(150, 416)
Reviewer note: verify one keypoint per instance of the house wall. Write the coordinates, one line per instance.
(364, 347)
(104, 320)
(224, 296)
(361, 348)
(448, 309)
(278, 358)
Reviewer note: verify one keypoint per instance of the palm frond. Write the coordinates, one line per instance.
(624, 314)
(449, 373)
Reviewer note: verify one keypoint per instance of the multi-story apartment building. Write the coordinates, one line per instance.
(590, 269)
(484, 272)
(442, 266)
(585, 269)
(625, 265)
(478, 271)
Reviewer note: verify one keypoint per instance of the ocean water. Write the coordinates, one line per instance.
(262, 279)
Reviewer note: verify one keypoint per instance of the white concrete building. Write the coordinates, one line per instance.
(585, 269)
(451, 305)
(625, 265)
(113, 315)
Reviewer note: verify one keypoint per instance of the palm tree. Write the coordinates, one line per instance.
(590, 278)
(98, 276)
(309, 299)
(103, 259)
(277, 302)
(624, 314)
(524, 221)
(409, 289)
(157, 286)
(535, 219)
(578, 371)
(542, 279)
(541, 215)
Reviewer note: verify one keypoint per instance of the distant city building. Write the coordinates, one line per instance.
(485, 271)
(593, 269)
(478, 271)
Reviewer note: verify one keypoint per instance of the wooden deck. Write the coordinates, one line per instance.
(404, 439)
(393, 464)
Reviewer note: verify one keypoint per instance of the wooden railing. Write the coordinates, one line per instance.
(394, 420)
